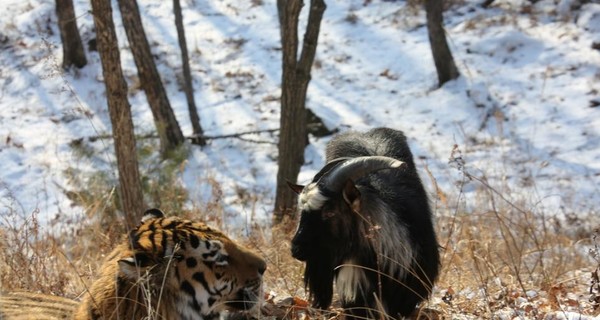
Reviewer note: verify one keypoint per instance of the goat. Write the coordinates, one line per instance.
(366, 223)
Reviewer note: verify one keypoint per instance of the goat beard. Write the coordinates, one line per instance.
(318, 277)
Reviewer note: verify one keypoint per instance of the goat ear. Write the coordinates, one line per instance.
(295, 187)
(351, 195)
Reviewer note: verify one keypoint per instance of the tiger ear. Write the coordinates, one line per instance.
(153, 213)
(132, 265)
(295, 187)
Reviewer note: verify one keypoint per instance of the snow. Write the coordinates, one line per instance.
(521, 114)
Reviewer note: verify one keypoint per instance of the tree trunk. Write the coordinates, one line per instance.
(294, 85)
(73, 53)
(168, 129)
(444, 62)
(281, 12)
(120, 113)
(187, 76)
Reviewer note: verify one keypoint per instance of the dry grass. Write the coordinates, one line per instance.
(59, 264)
(493, 264)
(493, 267)
(500, 260)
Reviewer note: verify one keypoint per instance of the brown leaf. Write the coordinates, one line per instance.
(300, 303)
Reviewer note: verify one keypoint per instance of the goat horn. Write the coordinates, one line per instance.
(355, 168)
(329, 167)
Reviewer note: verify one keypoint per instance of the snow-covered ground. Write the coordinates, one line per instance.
(524, 114)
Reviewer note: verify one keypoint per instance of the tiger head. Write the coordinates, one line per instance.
(176, 269)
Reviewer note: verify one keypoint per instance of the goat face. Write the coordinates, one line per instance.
(322, 238)
(327, 203)
(324, 221)
(329, 207)
(306, 235)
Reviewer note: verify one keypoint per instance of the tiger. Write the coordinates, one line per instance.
(23, 305)
(171, 268)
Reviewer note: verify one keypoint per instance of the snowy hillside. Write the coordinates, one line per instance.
(524, 114)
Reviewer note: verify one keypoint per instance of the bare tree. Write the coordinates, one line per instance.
(73, 53)
(442, 56)
(294, 84)
(168, 129)
(120, 113)
(187, 77)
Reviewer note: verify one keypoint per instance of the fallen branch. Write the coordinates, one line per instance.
(238, 135)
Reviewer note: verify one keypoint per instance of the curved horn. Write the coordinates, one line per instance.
(328, 167)
(356, 168)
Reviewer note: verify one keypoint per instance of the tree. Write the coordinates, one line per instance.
(120, 113)
(73, 53)
(444, 62)
(169, 132)
(294, 84)
(187, 77)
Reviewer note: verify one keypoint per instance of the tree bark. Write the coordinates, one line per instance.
(73, 53)
(294, 85)
(168, 129)
(187, 77)
(442, 56)
(120, 113)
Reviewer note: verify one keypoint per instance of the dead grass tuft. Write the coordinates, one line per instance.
(285, 275)
(29, 261)
(37, 260)
(505, 258)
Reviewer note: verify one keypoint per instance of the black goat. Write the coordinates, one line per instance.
(366, 222)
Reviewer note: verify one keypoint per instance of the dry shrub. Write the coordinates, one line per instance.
(285, 275)
(30, 260)
(504, 257)
(57, 263)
